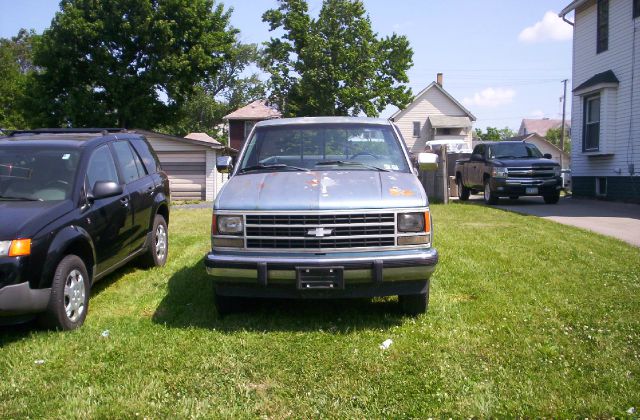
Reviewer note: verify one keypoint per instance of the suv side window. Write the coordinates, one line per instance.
(147, 154)
(101, 167)
(129, 162)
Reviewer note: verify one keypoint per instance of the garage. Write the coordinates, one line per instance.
(190, 164)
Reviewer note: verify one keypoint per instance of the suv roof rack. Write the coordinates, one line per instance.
(103, 131)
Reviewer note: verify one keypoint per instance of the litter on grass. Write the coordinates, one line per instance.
(105, 333)
(386, 344)
(39, 362)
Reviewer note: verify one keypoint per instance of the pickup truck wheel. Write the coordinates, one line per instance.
(156, 255)
(489, 196)
(552, 198)
(463, 192)
(69, 300)
(414, 305)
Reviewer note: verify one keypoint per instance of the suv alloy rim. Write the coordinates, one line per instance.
(161, 242)
(74, 295)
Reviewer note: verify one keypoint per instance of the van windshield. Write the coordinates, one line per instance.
(37, 175)
(324, 147)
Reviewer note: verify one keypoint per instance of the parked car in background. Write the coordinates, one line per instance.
(508, 169)
(324, 207)
(75, 205)
(453, 146)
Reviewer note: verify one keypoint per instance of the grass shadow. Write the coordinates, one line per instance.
(189, 303)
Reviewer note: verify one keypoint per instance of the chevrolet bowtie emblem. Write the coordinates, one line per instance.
(319, 232)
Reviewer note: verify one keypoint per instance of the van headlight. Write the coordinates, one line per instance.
(411, 222)
(230, 225)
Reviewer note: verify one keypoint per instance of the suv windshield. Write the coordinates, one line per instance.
(42, 175)
(324, 147)
(513, 151)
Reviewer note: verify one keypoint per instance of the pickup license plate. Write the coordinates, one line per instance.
(327, 278)
(531, 190)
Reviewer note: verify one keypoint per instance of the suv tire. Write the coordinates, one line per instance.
(552, 198)
(463, 192)
(489, 195)
(156, 255)
(69, 300)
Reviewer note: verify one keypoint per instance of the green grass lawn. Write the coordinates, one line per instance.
(527, 317)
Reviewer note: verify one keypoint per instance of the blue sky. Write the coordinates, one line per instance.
(503, 59)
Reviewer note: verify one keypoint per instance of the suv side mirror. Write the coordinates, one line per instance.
(547, 156)
(427, 161)
(224, 164)
(104, 189)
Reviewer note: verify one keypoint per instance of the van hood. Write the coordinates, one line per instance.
(321, 190)
(23, 219)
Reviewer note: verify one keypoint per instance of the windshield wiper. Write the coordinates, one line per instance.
(261, 167)
(349, 163)
(10, 197)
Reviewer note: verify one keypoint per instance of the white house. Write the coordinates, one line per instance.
(606, 98)
(434, 115)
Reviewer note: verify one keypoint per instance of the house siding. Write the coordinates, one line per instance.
(432, 102)
(620, 118)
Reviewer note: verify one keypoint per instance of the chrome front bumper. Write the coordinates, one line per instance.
(370, 275)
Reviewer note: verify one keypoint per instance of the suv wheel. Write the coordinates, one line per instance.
(552, 198)
(156, 255)
(69, 300)
(463, 192)
(489, 196)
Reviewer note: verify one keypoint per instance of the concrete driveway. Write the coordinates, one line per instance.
(619, 220)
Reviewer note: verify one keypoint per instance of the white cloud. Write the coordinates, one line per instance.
(491, 97)
(550, 28)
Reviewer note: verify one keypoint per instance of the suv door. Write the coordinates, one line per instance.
(107, 220)
(141, 190)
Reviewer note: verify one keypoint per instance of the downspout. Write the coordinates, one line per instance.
(564, 17)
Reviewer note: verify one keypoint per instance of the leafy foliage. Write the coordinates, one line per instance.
(128, 62)
(495, 134)
(554, 135)
(335, 64)
(15, 67)
(219, 95)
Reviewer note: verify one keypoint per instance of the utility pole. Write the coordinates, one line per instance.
(564, 110)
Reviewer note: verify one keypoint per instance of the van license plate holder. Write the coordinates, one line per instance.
(320, 278)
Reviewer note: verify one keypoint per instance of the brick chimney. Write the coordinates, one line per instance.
(439, 79)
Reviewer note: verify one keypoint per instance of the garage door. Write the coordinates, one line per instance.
(186, 171)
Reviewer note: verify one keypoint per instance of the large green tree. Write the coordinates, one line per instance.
(127, 63)
(335, 64)
(554, 135)
(15, 67)
(216, 97)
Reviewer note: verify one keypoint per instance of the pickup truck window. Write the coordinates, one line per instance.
(513, 151)
(329, 147)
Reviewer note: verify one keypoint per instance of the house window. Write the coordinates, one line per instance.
(603, 26)
(591, 126)
(636, 8)
(601, 187)
(416, 129)
(248, 125)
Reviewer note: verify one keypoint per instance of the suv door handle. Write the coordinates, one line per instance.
(124, 201)
(150, 190)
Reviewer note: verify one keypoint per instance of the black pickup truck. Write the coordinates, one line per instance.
(508, 169)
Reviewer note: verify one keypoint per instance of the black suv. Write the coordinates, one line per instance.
(74, 206)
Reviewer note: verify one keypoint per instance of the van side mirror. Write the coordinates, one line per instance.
(224, 164)
(428, 161)
(104, 189)
(547, 156)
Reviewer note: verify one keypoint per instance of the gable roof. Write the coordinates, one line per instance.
(256, 110)
(399, 113)
(161, 136)
(203, 137)
(605, 78)
(541, 125)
